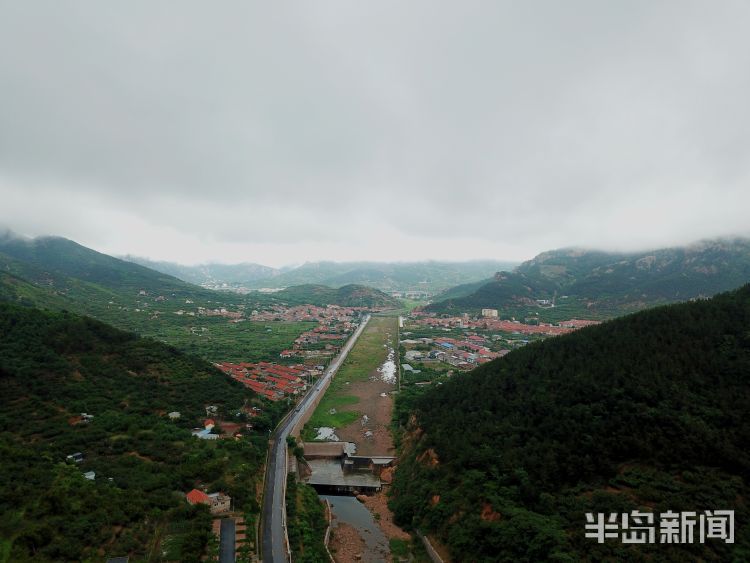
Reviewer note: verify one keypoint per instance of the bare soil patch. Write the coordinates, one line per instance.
(346, 545)
(378, 411)
(378, 504)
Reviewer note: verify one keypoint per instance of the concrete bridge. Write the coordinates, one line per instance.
(334, 468)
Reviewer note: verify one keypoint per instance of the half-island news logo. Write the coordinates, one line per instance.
(667, 527)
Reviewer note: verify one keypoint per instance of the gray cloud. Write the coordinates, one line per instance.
(280, 132)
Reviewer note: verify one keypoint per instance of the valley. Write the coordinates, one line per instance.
(272, 351)
(374, 282)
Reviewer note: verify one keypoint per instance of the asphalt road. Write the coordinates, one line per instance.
(226, 541)
(273, 535)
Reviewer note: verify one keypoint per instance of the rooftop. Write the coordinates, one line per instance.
(329, 449)
(329, 472)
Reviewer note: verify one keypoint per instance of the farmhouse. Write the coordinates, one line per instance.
(216, 502)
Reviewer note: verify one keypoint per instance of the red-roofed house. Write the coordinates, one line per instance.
(197, 497)
(216, 502)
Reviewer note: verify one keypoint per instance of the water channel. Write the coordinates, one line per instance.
(349, 510)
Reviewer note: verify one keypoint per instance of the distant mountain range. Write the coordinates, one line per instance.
(430, 277)
(59, 274)
(605, 284)
(210, 274)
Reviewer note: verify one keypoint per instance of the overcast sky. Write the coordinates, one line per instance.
(280, 132)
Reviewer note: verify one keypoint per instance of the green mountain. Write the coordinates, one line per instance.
(55, 366)
(214, 275)
(59, 274)
(645, 412)
(47, 257)
(68, 275)
(462, 290)
(429, 277)
(601, 284)
(347, 296)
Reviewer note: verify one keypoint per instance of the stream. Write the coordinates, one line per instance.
(349, 510)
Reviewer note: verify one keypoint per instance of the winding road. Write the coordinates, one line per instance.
(273, 521)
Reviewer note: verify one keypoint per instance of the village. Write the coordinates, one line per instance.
(310, 351)
(431, 348)
(471, 341)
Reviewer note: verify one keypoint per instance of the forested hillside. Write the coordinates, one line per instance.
(603, 284)
(58, 274)
(56, 366)
(648, 412)
(56, 255)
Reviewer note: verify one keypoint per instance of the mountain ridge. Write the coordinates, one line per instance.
(604, 283)
(427, 275)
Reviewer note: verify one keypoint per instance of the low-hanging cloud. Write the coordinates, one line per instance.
(281, 133)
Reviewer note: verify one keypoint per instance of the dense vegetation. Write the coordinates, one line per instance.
(58, 274)
(462, 290)
(601, 284)
(52, 256)
(55, 366)
(306, 522)
(644, 412)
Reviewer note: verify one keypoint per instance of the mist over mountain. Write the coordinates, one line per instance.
(58, 255)
(428, 277)
(603, 283)
(210, 274)
(354, 209)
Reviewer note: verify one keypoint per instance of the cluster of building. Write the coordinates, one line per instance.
(412, 294)
(270, 380)
(324, 341)
(466, 353)
(276, 381)
(329, 314)
(220, 312)
(491, 322)
(335, 323)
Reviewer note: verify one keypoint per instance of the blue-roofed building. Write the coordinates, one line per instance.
(205, 434)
